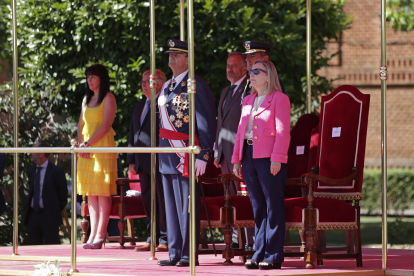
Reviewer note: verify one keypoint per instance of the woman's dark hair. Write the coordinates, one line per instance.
(100, 71)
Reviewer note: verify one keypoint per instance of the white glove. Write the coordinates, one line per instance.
(200, 167)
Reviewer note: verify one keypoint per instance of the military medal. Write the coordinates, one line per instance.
(172, 85)
(180, 115)
(186, 119)
(172, 118)
(177, 100)
(178, 124)
(185, 104)
(206, 156)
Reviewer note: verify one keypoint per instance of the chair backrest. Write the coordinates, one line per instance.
(212, 190)
(313, 148)
(342, 139)
(136, 186)
(298, 153)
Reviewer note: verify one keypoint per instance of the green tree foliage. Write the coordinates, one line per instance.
(59, 39)
(400, 13)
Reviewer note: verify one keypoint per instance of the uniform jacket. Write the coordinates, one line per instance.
(205, 121)
(54, 194)
(228, 122)
(140, 136)
(271, 128)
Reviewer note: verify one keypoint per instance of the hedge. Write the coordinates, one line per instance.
(400, 190)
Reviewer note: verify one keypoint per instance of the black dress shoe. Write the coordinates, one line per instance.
(265, 265)
(170, 262)
(252, 264)
(185, 262)
(234, 245)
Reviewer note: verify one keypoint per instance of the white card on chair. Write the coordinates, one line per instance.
(300, 150)
(336, 132)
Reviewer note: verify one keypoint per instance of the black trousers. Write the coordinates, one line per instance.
(39, 230)
(161, 226)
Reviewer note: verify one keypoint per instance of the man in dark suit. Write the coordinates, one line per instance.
(48, 195)
(229, 111)
(140, 163)
(174, 104)
(257, 51)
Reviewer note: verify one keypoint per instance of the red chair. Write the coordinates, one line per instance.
(123, 207)
(337, 178)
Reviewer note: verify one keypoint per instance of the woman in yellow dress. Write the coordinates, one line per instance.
(97, 172)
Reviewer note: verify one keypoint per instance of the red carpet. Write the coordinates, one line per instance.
(115, 261)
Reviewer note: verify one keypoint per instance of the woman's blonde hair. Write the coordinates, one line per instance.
(273, 82)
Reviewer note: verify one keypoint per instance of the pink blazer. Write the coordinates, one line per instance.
(271, 128)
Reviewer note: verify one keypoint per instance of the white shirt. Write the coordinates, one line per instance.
(177, 79)
(235, 89)
(238, 84)
(249, 129)
(42, 179)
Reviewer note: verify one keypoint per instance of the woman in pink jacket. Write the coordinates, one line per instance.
(261, 146)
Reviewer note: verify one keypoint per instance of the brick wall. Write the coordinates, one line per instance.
(359, 64)
(3, 75)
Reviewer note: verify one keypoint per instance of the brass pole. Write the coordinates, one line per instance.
(153, 85)
(16, 131)
(74, 227)
(383, 77)
(182, 21)
(191, 88)
(308, 56)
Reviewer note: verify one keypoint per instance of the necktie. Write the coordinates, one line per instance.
(36, 195)
(145, 110)
(228, 98)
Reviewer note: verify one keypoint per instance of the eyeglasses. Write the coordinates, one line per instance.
(145, 82)
(256, 71)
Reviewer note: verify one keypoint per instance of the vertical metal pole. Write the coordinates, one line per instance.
(308, 56)
(383, 77)
(16, 131)
(74, 227)
(182, 21)
(153, 85)
(191, 88)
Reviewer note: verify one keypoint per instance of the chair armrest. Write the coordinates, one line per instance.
(294, 181)
(226, 177)
(206, 180)
(330, 181)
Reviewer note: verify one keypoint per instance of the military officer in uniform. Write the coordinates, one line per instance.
(257, 51)
(173, 104)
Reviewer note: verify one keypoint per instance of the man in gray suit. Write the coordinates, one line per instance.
(229, 112)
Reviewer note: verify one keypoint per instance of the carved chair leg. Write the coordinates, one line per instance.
(357, 234)
(121, 226)
(85, 222)
(241, 237)
(131, 231)
(349, 241)
(318, 240)
(303, 240)
(287, 235)
(310, 228)
(228, 253)
(203, 238)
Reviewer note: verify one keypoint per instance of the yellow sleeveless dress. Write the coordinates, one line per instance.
(97, 175)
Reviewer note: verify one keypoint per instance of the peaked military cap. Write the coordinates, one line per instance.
(255, 46)
(178, 46)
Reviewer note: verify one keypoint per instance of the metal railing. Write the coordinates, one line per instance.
(191, 149)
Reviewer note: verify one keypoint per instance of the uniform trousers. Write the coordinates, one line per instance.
(161, 225)
(267, 198)
(39, 230)
(176, 194)
(227, 167)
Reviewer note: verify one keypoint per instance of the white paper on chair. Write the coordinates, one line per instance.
(300, 150)
(336, 132)
(133, 193)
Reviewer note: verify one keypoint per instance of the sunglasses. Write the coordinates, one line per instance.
(256, 71)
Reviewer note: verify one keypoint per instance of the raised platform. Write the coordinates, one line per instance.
(115, 261)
